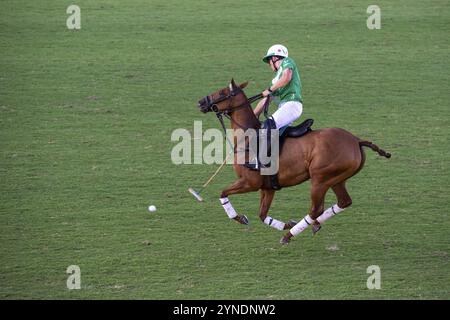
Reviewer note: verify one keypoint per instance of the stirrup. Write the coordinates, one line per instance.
(252, 166)
(255, 165)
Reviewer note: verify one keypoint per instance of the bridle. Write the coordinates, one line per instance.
(211, 105)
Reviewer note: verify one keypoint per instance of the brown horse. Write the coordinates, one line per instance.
(328, 157)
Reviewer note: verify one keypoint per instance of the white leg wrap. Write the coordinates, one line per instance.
(226, 204)
(330, 212)
(302, 225)
(274, 223)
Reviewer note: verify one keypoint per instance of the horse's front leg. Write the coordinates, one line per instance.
(266, 201)
(239, 186)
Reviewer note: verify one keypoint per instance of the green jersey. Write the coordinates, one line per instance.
(293, 90)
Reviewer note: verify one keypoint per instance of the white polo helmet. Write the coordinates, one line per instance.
(276, 50)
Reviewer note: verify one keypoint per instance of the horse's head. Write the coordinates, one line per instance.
(223, 99)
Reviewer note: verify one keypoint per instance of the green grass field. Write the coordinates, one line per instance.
(85, 124)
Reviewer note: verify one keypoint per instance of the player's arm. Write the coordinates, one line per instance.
(260, 107)
(284, 80)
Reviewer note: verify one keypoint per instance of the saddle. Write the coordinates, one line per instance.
(271, 181)
(297, 131)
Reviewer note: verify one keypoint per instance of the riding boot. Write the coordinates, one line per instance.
(269, 125)
(256, 163)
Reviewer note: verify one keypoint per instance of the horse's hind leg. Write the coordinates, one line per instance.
(318, 192)
(239, 186)
(343, 201)
(342, 195)
(266, 201)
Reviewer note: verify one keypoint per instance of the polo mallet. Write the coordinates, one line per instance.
(196, 194)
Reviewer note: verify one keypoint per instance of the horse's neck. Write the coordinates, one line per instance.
(244, 118)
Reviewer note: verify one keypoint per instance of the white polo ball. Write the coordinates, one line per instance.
(151, 208)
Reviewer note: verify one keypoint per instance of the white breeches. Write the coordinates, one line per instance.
(287, 113)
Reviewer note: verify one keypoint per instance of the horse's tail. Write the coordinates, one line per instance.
(375, 148)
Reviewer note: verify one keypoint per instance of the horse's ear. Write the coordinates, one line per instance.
(232, 84)
(243, 85)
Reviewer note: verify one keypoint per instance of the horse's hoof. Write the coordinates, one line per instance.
(291, 223)
(315, 228)
(244, 220)
(285, 240)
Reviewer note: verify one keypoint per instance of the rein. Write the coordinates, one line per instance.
(232, 109)
(228, 111)
(266, 108)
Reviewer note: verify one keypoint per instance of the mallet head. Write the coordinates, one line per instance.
(195, 194)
